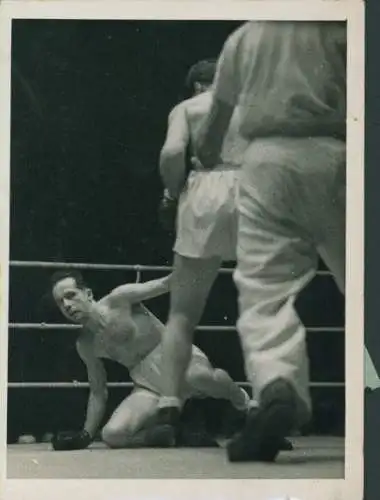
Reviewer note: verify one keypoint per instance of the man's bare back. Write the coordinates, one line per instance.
(187, 119)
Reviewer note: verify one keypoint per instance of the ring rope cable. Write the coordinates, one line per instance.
(84, 385)
(202, 328)
(112, 267)
(138, 269)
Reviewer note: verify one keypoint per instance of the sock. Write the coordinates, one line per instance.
(253, 404)
(246, 404)
(166, 401)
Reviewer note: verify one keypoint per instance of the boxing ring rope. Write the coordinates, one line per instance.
(64, 326)
(138, 269)
(85, 385)
(111, 267)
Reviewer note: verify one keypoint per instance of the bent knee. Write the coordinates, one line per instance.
(114, 437)
(221, 376)
(201, 377)
(210, 381)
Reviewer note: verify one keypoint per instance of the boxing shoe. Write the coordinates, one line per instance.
(195, 436)
(286, 445)
(193, 432)
(234, 423)
(265, 430)
(163, 433)
(186, 428)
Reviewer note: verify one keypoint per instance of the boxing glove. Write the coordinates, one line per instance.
(168, 212)
(65, 441)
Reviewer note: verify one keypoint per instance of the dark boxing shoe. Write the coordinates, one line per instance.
(286, 445)
(193, 432)
(265, 430)
(234, 423)
(193, 437)
(163, 433)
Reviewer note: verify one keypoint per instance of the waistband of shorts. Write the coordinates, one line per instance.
(221, 167)
(297, 130)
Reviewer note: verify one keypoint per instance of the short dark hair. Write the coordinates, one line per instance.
(68, 273)
(202, 72)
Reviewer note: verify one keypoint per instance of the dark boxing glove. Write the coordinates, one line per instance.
(168, 212)
(65, 441)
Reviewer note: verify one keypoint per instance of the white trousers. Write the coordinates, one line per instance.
(291, 208)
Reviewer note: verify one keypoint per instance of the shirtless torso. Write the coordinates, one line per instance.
(125, 334)
(120, 328)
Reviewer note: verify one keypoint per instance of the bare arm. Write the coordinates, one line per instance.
(138, 292)
(98, 395)
(225, 94)
(173, 153)
(210, 140)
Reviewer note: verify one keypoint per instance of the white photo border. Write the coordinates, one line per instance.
(351, 487)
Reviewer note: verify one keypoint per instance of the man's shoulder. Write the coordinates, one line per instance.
(115, 302)
(192, 102)
(106, 300)
(178, 110)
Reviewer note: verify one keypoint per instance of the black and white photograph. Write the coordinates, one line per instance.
(180, 192)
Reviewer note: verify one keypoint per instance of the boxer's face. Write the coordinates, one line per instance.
(75, 303)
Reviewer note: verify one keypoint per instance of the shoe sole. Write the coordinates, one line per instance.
(264, 432)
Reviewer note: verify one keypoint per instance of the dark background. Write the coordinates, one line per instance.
(90, 101)
(372, 245)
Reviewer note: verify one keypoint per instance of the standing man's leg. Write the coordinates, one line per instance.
(191, 283)
(273, 267)
(285, 207)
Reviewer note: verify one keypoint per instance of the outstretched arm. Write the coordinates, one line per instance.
(138, 292)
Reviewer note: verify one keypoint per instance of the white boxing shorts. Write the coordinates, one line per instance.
(147, 373)
(207, 214)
